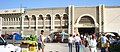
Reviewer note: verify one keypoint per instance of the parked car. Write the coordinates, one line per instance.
(5, 47)
(114, 47)
(56, 37)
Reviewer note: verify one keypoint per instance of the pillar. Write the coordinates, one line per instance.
(101, 18)
(69, 20)
(0, 26)
(36, 21)
(44, 23)
(72, 19)
(22, 24)
(61, 18)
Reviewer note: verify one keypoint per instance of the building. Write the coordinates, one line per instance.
(71, 19)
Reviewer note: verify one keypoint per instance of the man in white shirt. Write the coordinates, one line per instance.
(92, 44)
(70, 42)
(77, 42)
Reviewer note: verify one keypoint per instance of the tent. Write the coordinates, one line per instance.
(110, 34)
(63, 33)
(17, 36)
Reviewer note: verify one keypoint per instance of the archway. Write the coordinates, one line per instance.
(86, 24)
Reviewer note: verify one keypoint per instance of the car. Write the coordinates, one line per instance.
(115, 46)
(57, 37)
(5, 47)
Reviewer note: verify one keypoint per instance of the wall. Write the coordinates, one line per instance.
(112, 19)
(86, 10)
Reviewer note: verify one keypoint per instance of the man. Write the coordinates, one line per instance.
(104, 40)
(92, 44)
(41, 42)
(70, 42)
(77, 42)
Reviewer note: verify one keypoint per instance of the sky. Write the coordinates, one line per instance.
(7, 4)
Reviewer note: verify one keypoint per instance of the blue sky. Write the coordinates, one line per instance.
(5, 4)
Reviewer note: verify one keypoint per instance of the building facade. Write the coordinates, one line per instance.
(71, 19)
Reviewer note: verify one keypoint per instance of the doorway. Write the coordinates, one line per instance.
(86, 30)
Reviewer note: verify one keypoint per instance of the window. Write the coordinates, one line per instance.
(13, 19)
(26, 27)
(57, 16)
(11, 27)
(4, 27)
(48, 17)
(48, 27)
(32, 27)
(4, 19)
(40, 27)
(18, 27)
(19, 19)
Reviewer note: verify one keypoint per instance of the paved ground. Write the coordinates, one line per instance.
(61, 47)
(56, 47)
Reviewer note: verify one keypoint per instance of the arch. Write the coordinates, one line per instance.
(19, 19)
(4, 19)
(96, 24)
(13, 19)
(48, 17)
(33, 17)
(26, 18)
(65, 16)
(57, 17)
(40, 17)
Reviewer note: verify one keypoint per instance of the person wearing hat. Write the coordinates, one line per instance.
(93, 44)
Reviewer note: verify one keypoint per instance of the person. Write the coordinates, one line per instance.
(104, 40)
(77, 42)
(70, 42)
(93, 44)
(41, 42)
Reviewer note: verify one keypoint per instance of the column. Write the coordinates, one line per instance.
(72, 19)
(44, 23)
(61, 18)
(22, 24)
(69, 20)
(101, 18)
(51, 23)
(36, 25)
(0, 26)
(29, 22)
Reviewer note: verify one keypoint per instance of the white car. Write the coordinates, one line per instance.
(4, 47)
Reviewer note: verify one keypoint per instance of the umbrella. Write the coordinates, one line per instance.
(14, 32)
(110, 34)
(63, 33)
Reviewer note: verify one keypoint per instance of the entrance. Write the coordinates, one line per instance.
(86, 30)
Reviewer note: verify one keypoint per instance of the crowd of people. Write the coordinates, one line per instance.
(79, 40)
(88, 40)
(91, 41)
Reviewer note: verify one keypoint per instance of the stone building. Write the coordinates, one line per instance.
(71, 19)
